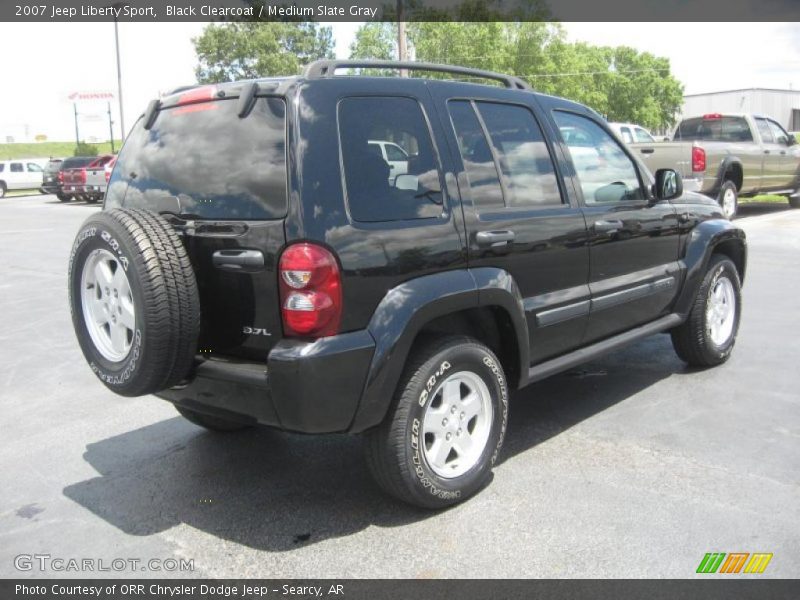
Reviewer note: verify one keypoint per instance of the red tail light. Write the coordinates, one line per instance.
(110, 167)
(310, 291)
(698, 159)
(81, 175)
(61, 177)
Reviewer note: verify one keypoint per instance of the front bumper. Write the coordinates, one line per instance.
(309, 387)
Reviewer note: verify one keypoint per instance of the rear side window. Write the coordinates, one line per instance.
(513, 167)
(714, 129)
(16, 168)
(203, 160)
(2, 167)
(377, 190)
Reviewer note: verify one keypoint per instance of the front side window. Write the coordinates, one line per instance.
(377, 190)
(765, 131)
(781, 137)
(34, 168)
(643, 137)
(395, 153)
(606, 174)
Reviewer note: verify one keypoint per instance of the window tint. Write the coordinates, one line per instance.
(716, 129)
(781, 137)
(642, 136)
(76, 162)
(526, 168)
(377, 191)
(2, 167)
(204, 160)
(484, 182)
(16, 168)
(626, 135)
(605, 172)
(765, 131)
(34, 168)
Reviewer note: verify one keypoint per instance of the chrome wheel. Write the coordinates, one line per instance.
(721, 311)
(457, 424)
(729, 203)
(107, 304)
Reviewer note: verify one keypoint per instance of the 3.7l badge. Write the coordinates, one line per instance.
(255, 331)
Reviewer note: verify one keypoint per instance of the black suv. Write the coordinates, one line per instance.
(388, 255)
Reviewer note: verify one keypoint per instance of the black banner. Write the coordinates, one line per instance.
(348, 589)
(149, 11)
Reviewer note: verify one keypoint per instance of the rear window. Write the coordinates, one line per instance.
(203, 160)
(722, 129)
(77, 162)
(53, 166)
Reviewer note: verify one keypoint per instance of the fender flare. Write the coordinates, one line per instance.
(407, 308)
(702, 242)
(723, 168)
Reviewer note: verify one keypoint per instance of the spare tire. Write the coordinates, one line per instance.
(134, 301)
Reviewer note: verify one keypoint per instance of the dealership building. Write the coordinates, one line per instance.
(781, 105)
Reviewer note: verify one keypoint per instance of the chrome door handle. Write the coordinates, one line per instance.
(494, 239)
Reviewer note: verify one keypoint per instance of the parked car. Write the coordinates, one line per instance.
(281, 279)
(97, 177)
(394, 155)
(730, 156)
(21, 174)
(630, 133)
(50, 181)
(73, 176)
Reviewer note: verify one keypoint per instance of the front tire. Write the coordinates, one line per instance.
(707, 337)
(443, 433)
(2, 189)
(728, 199)
(794, 200)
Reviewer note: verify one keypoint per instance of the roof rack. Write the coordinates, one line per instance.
(327, 68)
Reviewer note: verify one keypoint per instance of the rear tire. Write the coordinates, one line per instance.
(2, 189)
(443, 433)
(63, 197)
(707, 337)
(134, 301)
(794, 200)
(210, 422)
(728, 199)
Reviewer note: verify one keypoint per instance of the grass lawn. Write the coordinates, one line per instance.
(48, 149)
(766, 198)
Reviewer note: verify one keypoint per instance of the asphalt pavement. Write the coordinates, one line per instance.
(629, 466)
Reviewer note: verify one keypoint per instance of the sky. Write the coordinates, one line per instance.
(52, 60)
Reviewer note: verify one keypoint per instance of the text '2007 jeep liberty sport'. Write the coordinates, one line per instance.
(257, 261)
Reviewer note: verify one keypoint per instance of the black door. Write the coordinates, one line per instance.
(518, 216)
(634, 272)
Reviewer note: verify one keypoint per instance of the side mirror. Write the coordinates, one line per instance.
(668, 184)
(791, 140)
(406, 182)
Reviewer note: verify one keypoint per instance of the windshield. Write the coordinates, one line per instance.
(202, 159)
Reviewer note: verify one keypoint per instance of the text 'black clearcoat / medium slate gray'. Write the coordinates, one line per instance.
(392, 256)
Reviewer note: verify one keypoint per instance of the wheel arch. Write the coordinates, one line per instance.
(484, 303)
(730, 169)
(715, 236)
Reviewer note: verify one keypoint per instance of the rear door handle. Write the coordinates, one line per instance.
(494, 239)
(238, 260)
(608, 226)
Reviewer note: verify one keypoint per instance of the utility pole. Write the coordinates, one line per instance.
(110, 126)
(402, 46)
(119, 74)
(77, 134)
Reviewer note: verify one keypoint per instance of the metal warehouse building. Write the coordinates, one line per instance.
(781, 105)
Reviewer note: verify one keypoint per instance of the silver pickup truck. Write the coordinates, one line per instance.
(730, 155)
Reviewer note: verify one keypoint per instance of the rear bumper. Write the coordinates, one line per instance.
(309, 387)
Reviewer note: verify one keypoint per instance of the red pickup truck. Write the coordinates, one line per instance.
(75, 184)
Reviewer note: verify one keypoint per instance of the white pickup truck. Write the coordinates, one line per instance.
(728, 156)
(97, 180)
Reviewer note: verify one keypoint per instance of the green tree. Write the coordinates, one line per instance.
(84, 149)
(231, 51)
(375, 41)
